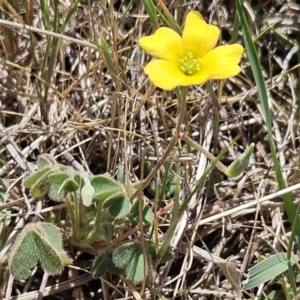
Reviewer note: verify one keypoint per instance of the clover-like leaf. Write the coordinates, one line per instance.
(23, 256)
(107, 230)
(45, 160)
(56, 193)
(130, 256)
(77, 177)
(69, 185)
(118, 205)
(104, 263)
(50, 234)
(38, 242)
(147, 213)
(49, 245)
(40, 188)
(34, 178)
(105, 187)
(58, 177)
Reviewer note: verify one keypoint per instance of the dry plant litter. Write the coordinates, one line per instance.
(72, 86)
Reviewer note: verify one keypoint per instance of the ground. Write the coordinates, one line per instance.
(82, 97)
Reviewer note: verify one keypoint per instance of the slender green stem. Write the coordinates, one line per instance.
(212, 94)
(80, 212)
(99, 217)
(76, 213)
(142, 238)
(183, 116)
(285, 288)
(216, 110)
(70, 209)
(181, 95)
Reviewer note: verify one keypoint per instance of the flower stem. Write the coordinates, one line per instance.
(181, 96)
(71, 213)
(216, 110)
(76, 214)
(99, 218)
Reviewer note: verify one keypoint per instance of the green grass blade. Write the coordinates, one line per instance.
(151, 11)
(45, 14)
(69, 15)
(235, 30)
(267, 269)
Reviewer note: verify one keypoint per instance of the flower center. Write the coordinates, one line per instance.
(189, 64)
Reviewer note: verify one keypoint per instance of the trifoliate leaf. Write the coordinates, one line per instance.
(58, 177)
(38, 242)
(147, 213)
(103, 263)
(105, 187)
(45, 160)
(130, 256)
(56, 193)
(118, 205)
(34, 178)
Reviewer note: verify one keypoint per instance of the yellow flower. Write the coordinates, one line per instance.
(191, 58)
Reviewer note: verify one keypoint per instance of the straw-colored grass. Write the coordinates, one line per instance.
(72, 85)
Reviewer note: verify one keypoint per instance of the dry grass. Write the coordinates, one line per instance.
(96, 116)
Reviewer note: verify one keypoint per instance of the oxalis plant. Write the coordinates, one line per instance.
(97, 207)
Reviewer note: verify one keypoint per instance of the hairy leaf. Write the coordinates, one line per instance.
(130, 256)
(58, 177)
(38, 242)
(104, 263)
(69, 185)
(118, 205)
(105, 187)
(40, 188)
(45, 160)
(107, 231)
(55, 193)
(146, 213)
(34, 178)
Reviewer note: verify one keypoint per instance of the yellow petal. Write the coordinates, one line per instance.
(168, 76)
(194, 79)
(164, 74)
(222, 62)
(165, 43)
(199, 37)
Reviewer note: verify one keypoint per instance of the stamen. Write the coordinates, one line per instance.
(189, 64)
